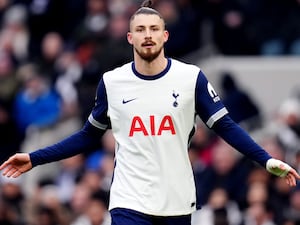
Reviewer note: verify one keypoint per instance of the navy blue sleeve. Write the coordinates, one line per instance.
(207, 102)
(86, 139)
(99, 117)
(234, 135)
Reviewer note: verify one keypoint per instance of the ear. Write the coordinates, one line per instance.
(166, 35)
(129, 37)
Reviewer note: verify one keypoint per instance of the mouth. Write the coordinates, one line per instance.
(148, 44)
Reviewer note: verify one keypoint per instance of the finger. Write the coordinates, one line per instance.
(11, 171)
(16, 174)
(294, 172)
(293, 176)
(291, 179)
(288, 181)
(6, 170)
(5, 164)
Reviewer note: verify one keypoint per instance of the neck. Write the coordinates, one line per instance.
(150, 68)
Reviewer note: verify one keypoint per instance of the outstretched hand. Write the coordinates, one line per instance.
(284, 170)
(16, 165)
(291, 177)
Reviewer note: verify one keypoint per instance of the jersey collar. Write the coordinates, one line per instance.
(157, 76)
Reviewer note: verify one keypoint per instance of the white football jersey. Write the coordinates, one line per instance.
(152, 118)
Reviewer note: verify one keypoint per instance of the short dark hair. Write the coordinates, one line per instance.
(146, 9)
(147, 3)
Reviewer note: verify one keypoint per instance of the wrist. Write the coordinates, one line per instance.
(277, 167)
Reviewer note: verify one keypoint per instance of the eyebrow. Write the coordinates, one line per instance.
(143, 26)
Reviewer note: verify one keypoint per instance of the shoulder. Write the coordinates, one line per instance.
(181, 65)
(118, 70)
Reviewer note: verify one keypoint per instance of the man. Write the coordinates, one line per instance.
(150, 104)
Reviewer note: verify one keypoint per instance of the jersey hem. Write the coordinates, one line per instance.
(155, 213)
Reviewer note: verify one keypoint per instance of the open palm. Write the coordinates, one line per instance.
(16, 165)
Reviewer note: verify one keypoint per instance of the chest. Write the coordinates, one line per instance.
(151, 97)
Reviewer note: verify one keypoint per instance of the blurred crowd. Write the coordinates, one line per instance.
(52, 55)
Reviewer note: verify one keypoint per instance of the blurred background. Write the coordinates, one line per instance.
(54, 52)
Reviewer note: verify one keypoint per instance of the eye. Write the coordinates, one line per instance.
(139, 29)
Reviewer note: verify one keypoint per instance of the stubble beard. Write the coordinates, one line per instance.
(149, 56)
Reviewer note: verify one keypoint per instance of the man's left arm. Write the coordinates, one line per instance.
(238, 138)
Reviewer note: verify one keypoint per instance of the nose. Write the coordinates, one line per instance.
(147, 34)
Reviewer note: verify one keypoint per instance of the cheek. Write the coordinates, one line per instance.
(134, 41)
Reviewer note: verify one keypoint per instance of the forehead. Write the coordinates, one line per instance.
(146, 20)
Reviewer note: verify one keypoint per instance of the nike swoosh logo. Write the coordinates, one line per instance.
(129, 100)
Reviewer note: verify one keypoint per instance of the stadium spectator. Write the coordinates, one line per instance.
(43, 17)
(37, 100)
(11, 137)
(47, 208)
(12, 201)
(182, 22)
(291, 213)
(228, 170)
(287, 128)
(52, 47)
(96, 212)
(15, 36)
(201, 145)
(292, 30)
(219, 210)
(115, 50)
(259, 213)
(70, 172)
(89, 37)
(68, 73)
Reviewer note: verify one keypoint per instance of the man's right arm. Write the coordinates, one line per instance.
(88, 138)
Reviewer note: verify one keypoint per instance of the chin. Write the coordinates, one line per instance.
(148, 56)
